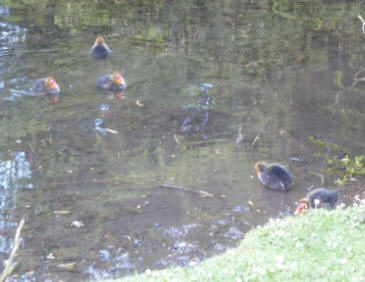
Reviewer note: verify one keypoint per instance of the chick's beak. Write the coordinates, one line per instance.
(300, 208)
(118, 79)
(51, 83)
(121, 80)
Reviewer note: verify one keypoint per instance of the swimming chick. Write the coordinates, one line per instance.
(275, 176)
(318, 198)
(100, 50)
(46, 86)
(113, 82)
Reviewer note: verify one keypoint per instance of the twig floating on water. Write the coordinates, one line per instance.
(111, 130)
(182, 188)
(67, 266)
(176, 139)
(357, 79)
(9, 261)
(295, 159)
(62, 212)
(257, 138)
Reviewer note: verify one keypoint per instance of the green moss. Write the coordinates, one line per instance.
(320, 245)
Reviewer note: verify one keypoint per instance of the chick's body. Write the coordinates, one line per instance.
(318, 198)
(112, 82)
(275, 176)
(326, 198)
(46, 86)
(100, 50)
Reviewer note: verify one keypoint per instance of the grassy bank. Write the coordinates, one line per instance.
(317, 246)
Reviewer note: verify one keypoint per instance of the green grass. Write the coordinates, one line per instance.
(319, 245)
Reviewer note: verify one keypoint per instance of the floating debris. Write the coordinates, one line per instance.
(77, 224)
(65, 212)
(139, 104)
(104, 107)
(182, 188)
(105, 254)
(362, 22)
(296, 159)
(67, 266)
(111, 131)
(240, 136)
(98, 122)
(241, 209)
(206, 86)
(50, 256)
(254, 142)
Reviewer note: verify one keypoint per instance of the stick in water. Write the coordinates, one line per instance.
(363, 23)
(9, 261)
(182, 188)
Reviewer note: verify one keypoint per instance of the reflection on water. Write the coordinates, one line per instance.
(12, 174)
(162, 174)
(14, 170)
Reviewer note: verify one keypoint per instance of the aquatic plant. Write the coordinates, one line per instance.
(344, 167)
(353, 166)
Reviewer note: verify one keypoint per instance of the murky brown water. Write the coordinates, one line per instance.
(202, 72)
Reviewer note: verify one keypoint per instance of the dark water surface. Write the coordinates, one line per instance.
(213, 87)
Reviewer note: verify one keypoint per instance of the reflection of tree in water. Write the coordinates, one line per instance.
(12, 173)
(198, 116)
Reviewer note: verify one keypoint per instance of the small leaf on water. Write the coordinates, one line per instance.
(250, 203)
(138, 207)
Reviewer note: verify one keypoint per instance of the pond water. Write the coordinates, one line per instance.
(165, 176)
